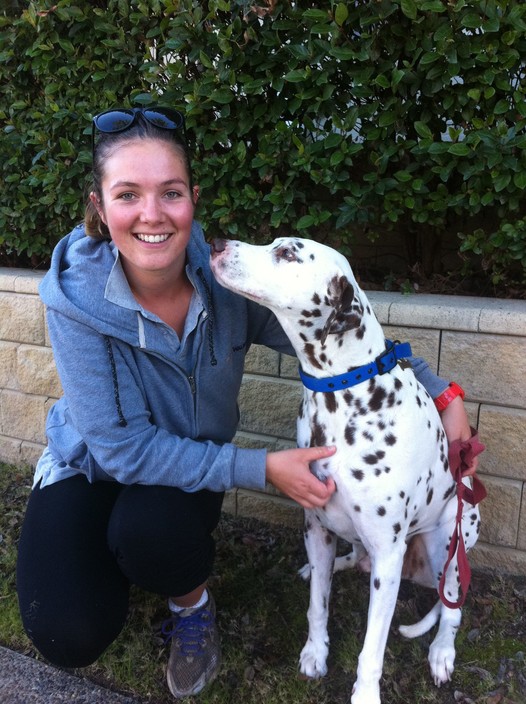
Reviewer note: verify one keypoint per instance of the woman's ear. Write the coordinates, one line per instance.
(97, 203)
(195, 194)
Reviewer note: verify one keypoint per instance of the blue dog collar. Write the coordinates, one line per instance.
(381, 365)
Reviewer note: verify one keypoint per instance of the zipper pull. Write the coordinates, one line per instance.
(191, 381)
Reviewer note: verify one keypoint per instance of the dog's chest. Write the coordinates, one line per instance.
(391, 458)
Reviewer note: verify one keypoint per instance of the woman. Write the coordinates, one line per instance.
(150, 352)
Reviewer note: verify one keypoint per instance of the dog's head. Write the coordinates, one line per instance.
(306, 284)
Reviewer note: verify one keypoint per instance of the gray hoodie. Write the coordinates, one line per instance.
(140, 405)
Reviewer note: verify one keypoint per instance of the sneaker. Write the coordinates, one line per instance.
(195, 653)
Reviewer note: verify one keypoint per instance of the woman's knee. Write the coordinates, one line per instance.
(161, 537)
(72, 638)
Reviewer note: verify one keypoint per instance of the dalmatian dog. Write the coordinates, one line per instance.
(396, 497)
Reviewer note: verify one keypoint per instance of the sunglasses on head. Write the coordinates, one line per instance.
(121, 119)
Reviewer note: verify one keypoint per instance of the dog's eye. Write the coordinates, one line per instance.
(286, 253)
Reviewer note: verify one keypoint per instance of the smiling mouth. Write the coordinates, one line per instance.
(152, 239)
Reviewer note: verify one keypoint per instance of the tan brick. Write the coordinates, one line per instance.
(20, 280)
(500, 511)
(30, 453)
(37, 373)
(10, 449)
(289, 367)
(498, 559)
(18, 452)
(435, 311)
(269, 406)
(424, 342)
(23, 416)
(230, 502)
(262, 360)
(268, 442)
(272, 509)
(8, 372)
(487, 366)
(21, 318)
(503, 431)
(381, 302)
(503, 316)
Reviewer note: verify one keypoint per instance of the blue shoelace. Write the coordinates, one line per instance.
(188, 630)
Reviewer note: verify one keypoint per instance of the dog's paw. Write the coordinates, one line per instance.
(365, 694)
(442, 662)
(313, 661)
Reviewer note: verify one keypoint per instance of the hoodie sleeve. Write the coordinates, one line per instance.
(433, 384)
(103, 427)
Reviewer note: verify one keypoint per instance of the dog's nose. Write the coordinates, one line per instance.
(217, 245)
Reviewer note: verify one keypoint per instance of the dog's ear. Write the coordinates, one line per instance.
(345, 315)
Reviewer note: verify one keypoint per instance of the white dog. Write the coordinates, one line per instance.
(396, 498)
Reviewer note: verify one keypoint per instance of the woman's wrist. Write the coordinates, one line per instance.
(449, 394)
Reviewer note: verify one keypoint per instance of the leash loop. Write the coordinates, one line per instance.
(461, 454)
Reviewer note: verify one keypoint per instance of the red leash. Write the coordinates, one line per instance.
(461, 455)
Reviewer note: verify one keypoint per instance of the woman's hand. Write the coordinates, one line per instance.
(289, 472)
(456, 425)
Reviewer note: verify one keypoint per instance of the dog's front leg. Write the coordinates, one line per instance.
(320, 544)
(386, 570)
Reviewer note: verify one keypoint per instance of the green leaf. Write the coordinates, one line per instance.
(387, 118)
(222, 96)
(341, 14)
(409, 8)
(295, 76)
(460, 149)
(423, 130)
(305, 222)
(519, 179)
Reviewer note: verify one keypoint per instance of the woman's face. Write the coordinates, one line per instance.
(147, 206)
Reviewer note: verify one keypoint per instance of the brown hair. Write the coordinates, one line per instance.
(103, 148)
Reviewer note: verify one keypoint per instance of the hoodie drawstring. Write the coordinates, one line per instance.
(122, 420)
(211, 348)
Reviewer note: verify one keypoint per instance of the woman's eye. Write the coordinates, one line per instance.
(126, 196)
(173, 194)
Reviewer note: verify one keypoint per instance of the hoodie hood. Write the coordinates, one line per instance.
(105, 302)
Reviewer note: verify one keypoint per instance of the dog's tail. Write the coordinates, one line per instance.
(423, 626)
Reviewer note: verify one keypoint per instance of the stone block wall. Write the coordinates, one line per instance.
(480, 343)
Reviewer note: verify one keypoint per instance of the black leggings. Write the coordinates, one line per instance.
(83, 544)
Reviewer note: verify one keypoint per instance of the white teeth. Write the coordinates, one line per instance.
(152, 238)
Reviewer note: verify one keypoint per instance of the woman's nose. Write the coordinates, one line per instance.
(151, 210)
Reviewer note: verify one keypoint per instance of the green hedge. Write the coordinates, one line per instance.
(395, 119)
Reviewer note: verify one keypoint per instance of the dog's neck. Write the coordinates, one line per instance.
(337, 352)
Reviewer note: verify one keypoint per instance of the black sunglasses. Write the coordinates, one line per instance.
(121, 119)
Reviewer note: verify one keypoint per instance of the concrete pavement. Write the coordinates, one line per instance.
(24, 680)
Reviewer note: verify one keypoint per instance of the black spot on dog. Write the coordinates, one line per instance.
(381, 511)
(377, 399)
(398, 384)
(377, 583)
(429, 496)
(318, 435)
(316, 299)
(358, 474)
(330, 402)
(357, 508)
(350, 431)
(450, 492)
(374, 459)
(390, 439)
